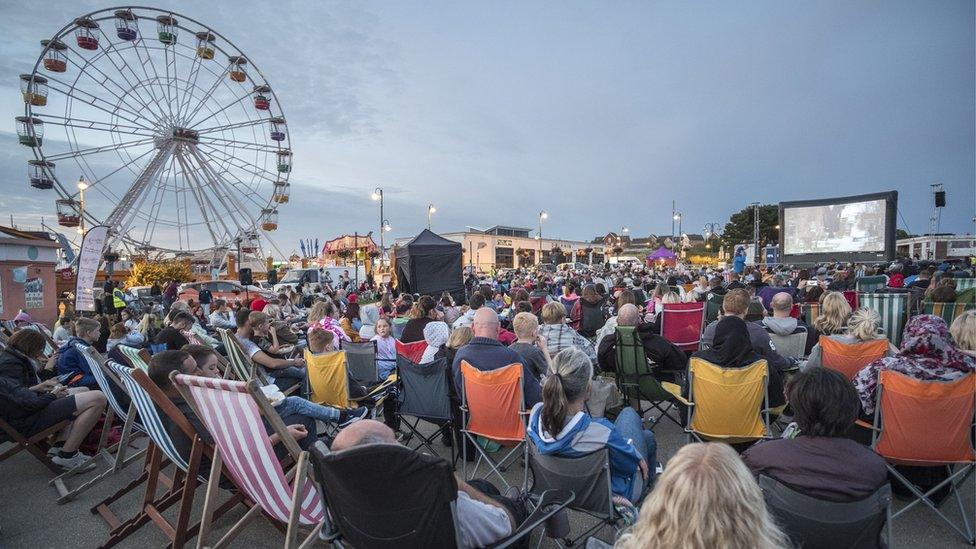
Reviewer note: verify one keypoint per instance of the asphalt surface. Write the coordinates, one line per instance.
(30, 517)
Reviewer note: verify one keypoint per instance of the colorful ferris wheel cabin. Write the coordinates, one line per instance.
(278, 128)
(30, 131)
(166, 28)
(284, 161)
(126, 26)
(205, 47)
(261, 101)
(54, 59)
(86, 33)
(282, 192)
(68, 212)
(269, 219)
(236, 69)
(41, 174)
(34, 89)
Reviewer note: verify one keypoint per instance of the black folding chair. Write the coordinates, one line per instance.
(424, 396)
(361, 361)
(587, 477)
(813, 523)
(388, 496)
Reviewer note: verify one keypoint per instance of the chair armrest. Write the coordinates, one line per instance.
(551, 502)
(675, 391)
(866, 425)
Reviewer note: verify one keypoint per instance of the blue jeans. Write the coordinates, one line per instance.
(299, 406)
(630, 426)
(288, 377)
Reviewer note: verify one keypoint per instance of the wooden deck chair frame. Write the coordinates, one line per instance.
(764, 412)
(185, 478)
(641, 385)
(116, 455)
(300, 470)
(32, 444)
(953, 481)
(520, 446)
(242, 367)
(137, 358)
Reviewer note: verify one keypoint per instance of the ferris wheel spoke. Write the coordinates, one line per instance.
(96, 102)
(140, 41)
(97, 150)
(204, 175)
(89, 65)
(228, 188)
(81, 123)
(188, 96)
(193, 123)
(196, 190)
(95, 183)
(212, 129)
(241, 163)
(206, 96)
(174, 90)
(245, 145)
(123, 212)
(151, 103)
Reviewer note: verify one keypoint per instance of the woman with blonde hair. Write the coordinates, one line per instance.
(863, 326)
(963, 330)
(705, 498)
(834, 313)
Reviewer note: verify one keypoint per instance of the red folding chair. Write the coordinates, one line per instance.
(411, 351)
(681, 324)
(851, 297)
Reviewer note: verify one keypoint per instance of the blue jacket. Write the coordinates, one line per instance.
(488, 354)
(739, 264)
(584, 435)
(71, 361)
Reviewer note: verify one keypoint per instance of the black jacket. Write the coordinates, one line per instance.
(592, 317)
(17, 376)
(662, 352)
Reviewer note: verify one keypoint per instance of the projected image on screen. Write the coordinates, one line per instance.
(854, 227)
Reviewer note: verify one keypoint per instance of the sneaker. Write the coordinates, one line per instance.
(79, 460)
(53, 451)
(348, 417)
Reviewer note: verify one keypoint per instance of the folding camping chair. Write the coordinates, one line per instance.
(385, 496)
(232, 412)
(814, 523)
(361, 361)
(727, 404)
(111, 387)
(425, 396)
(149, 400)
(637, 382)
(948, 311)
(927, 423)
(681, 324)
(849, 358)
(492, 407)
(414, 352)
(869, 284)
(790, 346)
(587, 477)
(892, 307)
(328, 379)
(713, 306)
(137, 358)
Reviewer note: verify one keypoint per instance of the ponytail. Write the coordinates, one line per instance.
(553, 415)
(567, 382)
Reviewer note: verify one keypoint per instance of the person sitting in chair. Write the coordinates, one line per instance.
(483, 515)
(821, 462)
(666, 355)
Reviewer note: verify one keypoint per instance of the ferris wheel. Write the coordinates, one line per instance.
(157, 126)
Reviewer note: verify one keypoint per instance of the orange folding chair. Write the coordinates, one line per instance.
(411, 351)
(927, 423)
(727, 404)
(681, 324)
(849, 358)
(493, 409)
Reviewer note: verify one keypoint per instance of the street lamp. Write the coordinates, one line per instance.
(82, 185)
(676, 217)
(384, 225)
(430, 210)
(543, 215)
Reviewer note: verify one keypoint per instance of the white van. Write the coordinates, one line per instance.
(315, 275)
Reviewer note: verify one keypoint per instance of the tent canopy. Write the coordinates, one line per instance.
(430, 264)
(662, 253)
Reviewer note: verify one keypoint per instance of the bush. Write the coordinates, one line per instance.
(144, 273)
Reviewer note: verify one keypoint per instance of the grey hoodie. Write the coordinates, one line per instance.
(780, 326)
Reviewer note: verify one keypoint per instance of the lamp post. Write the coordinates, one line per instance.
(711, 229)
(543, 215)
(378, 195)
(430, 211)
(675, 217)
(82, 185)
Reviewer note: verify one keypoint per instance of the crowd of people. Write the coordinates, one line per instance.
(561, 327)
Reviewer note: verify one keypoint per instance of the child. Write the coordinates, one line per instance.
(532, 347)
(385, 348)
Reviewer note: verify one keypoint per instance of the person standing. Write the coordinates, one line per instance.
(108, 299)
(169, 294)
(205, 297)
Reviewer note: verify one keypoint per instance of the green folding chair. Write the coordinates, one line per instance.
(637, 383)
(892, 307)
(866, 284)
(713, 305)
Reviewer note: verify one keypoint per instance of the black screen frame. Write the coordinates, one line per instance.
(888, 254)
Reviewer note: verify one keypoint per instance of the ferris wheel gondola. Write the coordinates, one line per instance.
(180, 137)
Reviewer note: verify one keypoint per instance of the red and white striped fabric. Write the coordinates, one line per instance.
(234, 421)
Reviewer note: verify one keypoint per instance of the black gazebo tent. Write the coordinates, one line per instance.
(430, 264)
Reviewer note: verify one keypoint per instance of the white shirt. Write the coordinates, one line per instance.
(223, 320)
(480, 524)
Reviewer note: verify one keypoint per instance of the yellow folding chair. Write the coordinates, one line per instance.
(727, 404)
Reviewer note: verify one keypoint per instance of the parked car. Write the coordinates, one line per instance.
(223, 289)
(315, 276)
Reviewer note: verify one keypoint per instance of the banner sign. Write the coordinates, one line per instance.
(88, 260)
(34, 293)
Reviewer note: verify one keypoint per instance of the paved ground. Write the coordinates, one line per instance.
(29, 516)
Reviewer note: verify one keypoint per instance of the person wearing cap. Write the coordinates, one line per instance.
(22, 320)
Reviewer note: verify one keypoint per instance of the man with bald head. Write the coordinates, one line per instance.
(486, 353)
(482, 519)
(668, 357)
(781, 323)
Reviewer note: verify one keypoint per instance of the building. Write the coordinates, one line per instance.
(27, 278)
(508, 247)
(937, 247)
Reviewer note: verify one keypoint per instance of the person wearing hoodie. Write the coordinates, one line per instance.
(781, 323)
(368, 315)
(70, 361)
(668, 357)
(736, 303)
(560, 426)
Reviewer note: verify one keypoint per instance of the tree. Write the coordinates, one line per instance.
(144, 273)
(901, 234)
(740, 226)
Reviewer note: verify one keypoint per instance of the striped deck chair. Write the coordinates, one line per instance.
(948, 311)
(867, 284)
(119, 460)
(192, 338)
(965, 283)
(892, 307)
(137, 358)
(810, 312)
(149, 400)
(232, 411)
